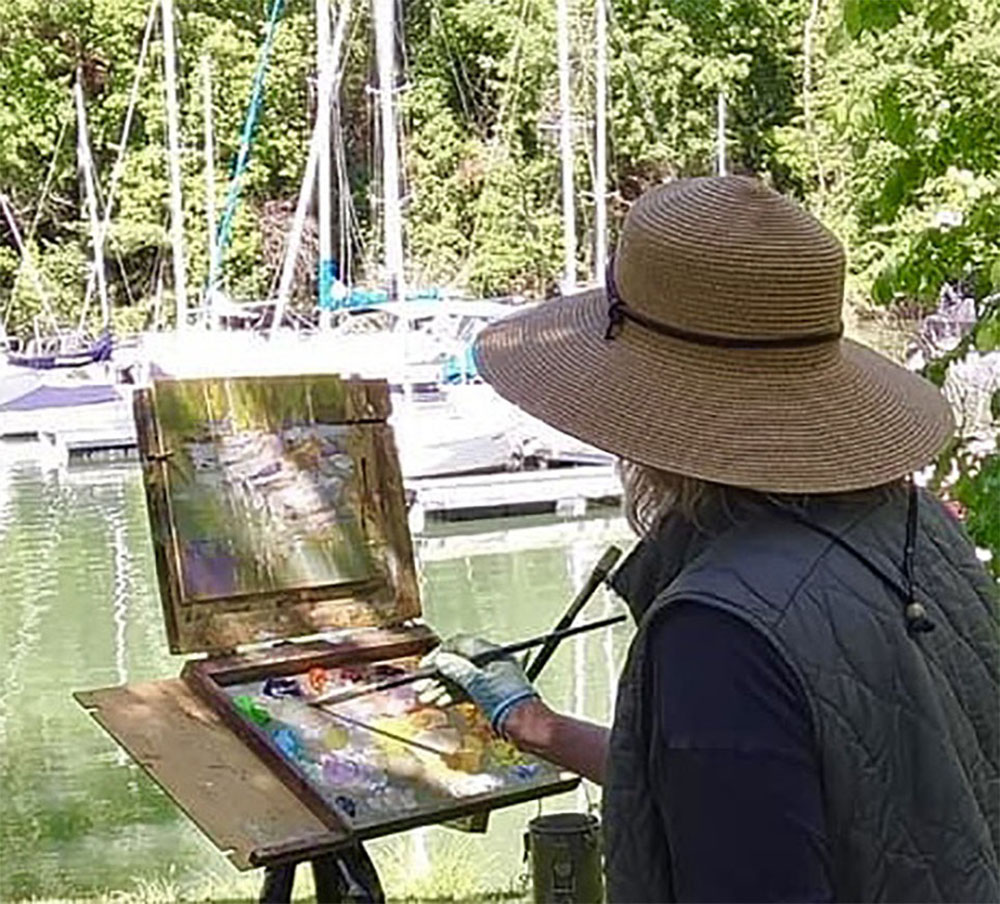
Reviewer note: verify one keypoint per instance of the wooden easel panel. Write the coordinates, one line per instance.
(338, 401)
(226, 790)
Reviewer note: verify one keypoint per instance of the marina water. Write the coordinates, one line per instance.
(80, 610)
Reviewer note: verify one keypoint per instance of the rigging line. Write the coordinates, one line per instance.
(8, 211)
(350, 224)
(514, 83)
(29, 237)
(345, 28)
(335, 54)
(355, 232)
(345, 201)
(119, 166)
(242, 161)
(399, 29)
(461, 76)
(375, 167)
(88, 297)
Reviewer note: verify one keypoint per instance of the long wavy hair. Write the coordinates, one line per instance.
(648, 494)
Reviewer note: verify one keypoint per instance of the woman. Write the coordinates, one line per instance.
(809, 710)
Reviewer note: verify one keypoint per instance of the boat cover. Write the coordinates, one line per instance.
(61, 397)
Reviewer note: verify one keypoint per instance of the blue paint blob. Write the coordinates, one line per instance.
(347, 805)
(526, 770)
(281, 687)
(288, 743)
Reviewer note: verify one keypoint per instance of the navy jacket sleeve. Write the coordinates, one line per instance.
(733, 763)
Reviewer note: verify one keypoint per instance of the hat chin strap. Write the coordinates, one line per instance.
(619, 312)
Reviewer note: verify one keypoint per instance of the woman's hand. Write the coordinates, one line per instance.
(497, 688)
(504, 694)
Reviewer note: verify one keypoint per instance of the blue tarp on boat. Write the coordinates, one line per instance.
(61, 397)
(99, 350)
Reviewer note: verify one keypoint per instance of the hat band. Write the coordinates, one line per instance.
(619, 312)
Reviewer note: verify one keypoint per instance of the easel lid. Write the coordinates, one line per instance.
(276, 508)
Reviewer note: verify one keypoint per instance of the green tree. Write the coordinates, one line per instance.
(909, 96)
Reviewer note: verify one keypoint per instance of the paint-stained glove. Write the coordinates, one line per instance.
(496, 688)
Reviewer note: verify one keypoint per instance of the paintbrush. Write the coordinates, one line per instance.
(480, 659)
(357, 723)
(597, 577)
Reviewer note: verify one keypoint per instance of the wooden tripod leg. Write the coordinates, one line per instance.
(331, 888)
(278, 882)
(347, 877)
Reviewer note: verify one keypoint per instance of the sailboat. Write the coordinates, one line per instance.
(63, 351)
(74, 348)
(62, 348)
(59, 387)
(51, 381)
(447, 421)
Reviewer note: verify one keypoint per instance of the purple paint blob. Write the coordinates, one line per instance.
(340, 771)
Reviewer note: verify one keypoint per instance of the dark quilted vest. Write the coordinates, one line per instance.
(906, 725)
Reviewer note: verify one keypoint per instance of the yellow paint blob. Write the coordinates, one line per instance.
(335, 737)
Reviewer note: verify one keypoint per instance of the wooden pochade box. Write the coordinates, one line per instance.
(277, 513)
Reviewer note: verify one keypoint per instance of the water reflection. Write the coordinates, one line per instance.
(80, 610)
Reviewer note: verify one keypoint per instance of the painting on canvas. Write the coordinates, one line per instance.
(264, 486)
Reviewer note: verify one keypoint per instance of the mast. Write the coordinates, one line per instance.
(174, 153)
(720, 136)
(324, 67)
(295, 234)
(96, 233)
(385, 46)
(206, 68)
(601, 142)
(313, 161)
(343, 187)
(566, 149)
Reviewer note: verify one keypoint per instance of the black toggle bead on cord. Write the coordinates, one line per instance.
(917, 619)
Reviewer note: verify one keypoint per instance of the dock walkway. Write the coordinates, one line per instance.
(568, 489)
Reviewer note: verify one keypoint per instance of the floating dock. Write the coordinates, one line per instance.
(568, 490)
(477, 459)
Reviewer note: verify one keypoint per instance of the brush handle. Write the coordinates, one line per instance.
(594, 580)
(480, 659)
(554, 636)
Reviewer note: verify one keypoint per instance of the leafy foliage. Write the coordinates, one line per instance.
(481, 170)
(978, 489)
(909, 94)
(882, 115)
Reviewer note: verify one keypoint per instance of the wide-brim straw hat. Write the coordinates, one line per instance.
(715, 351)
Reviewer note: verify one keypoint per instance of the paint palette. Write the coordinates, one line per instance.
(383, 755)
